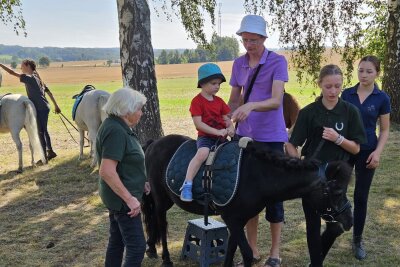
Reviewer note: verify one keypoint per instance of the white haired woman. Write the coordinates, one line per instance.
(122, 177)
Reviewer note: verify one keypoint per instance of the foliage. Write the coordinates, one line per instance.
(317, 24)
(191, 14)
(14, 65)
(225, 48)
(221, 49)
(163, 57)
(374, 42)
(11, 12)
(44, 61)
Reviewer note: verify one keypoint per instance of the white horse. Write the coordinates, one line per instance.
(88, 117)
(18, 112)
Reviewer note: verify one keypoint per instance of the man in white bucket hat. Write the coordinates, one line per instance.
(257, 81)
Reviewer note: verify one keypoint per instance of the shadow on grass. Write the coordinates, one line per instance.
(57, 206)
(52, 216)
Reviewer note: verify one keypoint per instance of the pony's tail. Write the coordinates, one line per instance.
(32, 130)
(149, 212)
(150, 219)
(100, 104)
(291, 110)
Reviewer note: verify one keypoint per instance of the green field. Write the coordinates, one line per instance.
(58, 204)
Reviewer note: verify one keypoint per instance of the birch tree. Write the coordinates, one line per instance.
(137, 61)
(391, 78)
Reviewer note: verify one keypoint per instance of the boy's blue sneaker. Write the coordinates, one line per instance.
(186, 192)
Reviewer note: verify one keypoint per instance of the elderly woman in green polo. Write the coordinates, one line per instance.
(122, 177)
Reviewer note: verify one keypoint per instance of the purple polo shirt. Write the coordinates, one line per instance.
(267, 126)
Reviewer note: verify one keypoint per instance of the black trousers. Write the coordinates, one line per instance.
(319, 244)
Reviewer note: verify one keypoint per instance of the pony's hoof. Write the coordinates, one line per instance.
(41, 163)
(151, 254)
(19, 170)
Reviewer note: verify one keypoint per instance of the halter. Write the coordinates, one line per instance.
(329, 212)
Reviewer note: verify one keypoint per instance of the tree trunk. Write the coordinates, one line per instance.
(391, 78)
(137, 61)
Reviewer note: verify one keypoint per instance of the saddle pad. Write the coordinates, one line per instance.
(76, 104)
(225, 177)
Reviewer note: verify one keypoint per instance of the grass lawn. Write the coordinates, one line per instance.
(52, 215)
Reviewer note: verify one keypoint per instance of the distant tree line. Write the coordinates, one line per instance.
(222, 49)
(56, 53)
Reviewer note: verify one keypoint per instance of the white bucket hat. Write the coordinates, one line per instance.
(253, 24)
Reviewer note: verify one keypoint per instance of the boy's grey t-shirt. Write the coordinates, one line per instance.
(35, 92)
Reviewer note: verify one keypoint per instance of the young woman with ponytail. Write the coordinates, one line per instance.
(36, 90)
(374, 107)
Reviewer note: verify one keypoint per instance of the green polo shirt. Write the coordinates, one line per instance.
(344, 118)
(116, 141)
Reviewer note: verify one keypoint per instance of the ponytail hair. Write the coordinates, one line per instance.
(32, 65)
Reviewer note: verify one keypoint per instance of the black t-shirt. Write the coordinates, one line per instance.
(344, 118)
(35, 92)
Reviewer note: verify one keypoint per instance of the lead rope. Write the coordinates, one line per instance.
(63, 116)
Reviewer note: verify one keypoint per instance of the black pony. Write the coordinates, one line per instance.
(265, 177)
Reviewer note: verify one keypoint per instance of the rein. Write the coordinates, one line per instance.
(61, 118)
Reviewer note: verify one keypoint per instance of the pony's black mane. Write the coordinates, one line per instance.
(281, 160)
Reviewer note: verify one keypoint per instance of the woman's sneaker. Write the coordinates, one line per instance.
(51, 154)
(358, 248)
(186, 192)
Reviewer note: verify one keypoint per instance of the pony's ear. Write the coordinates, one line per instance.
(339, 171)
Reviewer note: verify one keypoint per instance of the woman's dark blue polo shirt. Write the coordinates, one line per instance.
(375, 105)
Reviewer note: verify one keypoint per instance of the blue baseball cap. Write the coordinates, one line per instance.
(207, 72)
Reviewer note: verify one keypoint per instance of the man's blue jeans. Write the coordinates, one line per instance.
(125, 233)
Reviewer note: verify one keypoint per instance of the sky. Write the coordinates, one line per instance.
(94, 23)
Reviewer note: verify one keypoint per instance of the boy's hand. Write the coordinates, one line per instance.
(222, 132)
(231, 131)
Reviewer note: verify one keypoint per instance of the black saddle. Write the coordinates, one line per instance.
(85, 89)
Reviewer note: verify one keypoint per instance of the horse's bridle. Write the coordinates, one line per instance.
(329, 212)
